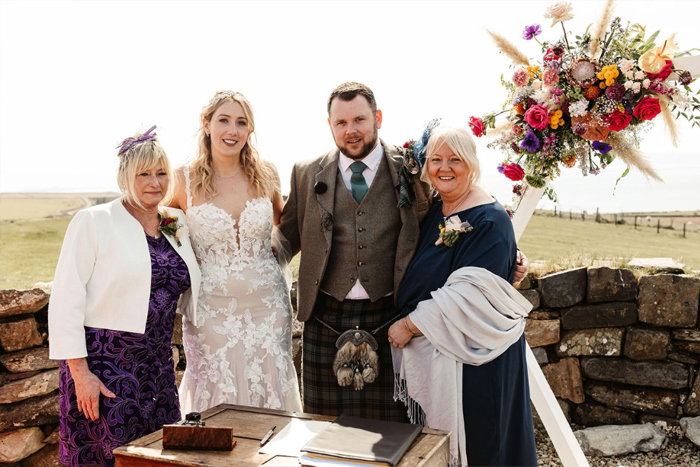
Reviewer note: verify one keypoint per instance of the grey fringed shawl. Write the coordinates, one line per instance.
(473, 319)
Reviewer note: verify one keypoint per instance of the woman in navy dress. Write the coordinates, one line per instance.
(495, 397)
(117, 285)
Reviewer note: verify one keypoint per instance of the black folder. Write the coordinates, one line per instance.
(362, 440)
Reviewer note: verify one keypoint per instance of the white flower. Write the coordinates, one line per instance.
(629, 74)
(646, 83)
(181, 232)
(578, 108)
(639, 75)
(635, 87)
(559, 12)
(628, 84)
(536, 85)
(625, 65)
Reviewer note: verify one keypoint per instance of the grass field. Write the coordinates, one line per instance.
(32, 209)
(29, 249)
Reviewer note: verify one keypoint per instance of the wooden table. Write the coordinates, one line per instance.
(430, 449)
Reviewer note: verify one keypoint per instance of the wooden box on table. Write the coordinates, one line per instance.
(250, 424)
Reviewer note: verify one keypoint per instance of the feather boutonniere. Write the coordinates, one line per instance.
(451, 229)
(169, 225)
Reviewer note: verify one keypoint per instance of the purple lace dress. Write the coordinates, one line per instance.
(138, 368)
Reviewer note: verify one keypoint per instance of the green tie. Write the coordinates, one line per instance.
(357, 181)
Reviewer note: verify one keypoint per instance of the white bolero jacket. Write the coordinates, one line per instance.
(103, 278)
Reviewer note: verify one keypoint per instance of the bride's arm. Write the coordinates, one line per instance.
(178, 198)
(277, 202)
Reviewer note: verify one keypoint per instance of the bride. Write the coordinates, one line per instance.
(239, 350)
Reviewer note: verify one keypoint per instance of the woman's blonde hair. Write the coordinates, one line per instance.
(138, 159)
(262, 174)
(460, 141)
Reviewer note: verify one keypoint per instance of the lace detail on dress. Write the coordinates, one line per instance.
(239, 350)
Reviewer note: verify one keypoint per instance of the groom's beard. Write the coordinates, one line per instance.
(366, 148)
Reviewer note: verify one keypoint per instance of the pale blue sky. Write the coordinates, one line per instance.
(77, 77)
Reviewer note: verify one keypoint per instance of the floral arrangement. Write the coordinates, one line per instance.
(451, 229)
(586, 100)
(169, 226)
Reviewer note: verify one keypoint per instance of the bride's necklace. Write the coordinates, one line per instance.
(229, 177)
(458, 204)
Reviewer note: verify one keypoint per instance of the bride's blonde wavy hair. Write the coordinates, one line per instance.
(262, 174)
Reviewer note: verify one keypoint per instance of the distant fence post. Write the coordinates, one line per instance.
(571, 216)
(583, 216)
(597, 215)
(658, 225)
(635, 222)
(615, 220)
(683, 229)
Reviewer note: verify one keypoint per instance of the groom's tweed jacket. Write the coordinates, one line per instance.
(329, 229)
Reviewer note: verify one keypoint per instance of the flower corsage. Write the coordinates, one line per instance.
(169, 225)
(451, 229)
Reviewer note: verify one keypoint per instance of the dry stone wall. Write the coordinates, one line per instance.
(617, 350)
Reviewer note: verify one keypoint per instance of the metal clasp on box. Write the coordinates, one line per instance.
(194, 419)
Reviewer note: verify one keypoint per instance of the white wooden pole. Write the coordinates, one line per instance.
(541, 394)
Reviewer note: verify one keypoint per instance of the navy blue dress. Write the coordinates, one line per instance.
(496, 395)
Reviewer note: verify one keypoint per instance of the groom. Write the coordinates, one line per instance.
(356, 246)
(342, 212)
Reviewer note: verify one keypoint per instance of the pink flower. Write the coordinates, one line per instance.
(477, 126)
(517, 130)
(521, 78)
(550, 77)
(537, 117)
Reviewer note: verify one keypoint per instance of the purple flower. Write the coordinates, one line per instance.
(500, 167)
(601, 147)
(615, 92)
(530, 143)
(531, 31)
(580, 129)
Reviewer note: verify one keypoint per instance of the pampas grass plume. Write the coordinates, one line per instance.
(600, 27)
(671, 126)
(630, 155)
(509, 49)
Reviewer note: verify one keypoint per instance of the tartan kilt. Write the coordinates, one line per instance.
(322, 394)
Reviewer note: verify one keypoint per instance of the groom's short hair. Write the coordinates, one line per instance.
(348, 91)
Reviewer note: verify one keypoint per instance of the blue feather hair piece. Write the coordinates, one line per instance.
(420, 145)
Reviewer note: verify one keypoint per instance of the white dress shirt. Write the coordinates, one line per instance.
(372, 162)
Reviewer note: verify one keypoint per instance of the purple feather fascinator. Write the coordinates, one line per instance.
(129, 143)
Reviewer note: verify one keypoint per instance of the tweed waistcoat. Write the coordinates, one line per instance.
(364, 239)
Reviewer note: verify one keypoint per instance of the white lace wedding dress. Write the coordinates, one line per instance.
(240, 349)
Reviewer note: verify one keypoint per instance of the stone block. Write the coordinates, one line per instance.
(52, 436)
(678, 357)
(45, 457)
(564, 377)
(692, 347)
(658, 375)
(691, 426)
(179, 374)
(669, 300)
(594, 415)
(533, 296)
(18, 444)
(38, 385)
(688, 335)
(177, 330)
(605, 315)
(618, 440)
(611, 285)
(544, 314)
(176, 355)
(19, 335)
(666, 265)
(541, 332)
(525, 284)
(649, 400)
(18, 376)
(541, 355)
(36, 411)
(646, 344)
(22, 302)
(692, 404)
(606, 342)
(563, 289)
(28, 360)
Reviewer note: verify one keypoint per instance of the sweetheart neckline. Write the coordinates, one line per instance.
(230, 216)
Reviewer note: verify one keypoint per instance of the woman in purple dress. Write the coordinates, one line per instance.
(123, 268)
